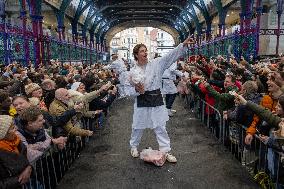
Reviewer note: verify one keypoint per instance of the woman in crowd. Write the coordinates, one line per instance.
(15, 169)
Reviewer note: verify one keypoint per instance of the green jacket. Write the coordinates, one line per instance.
(265, 114)
(225, 101)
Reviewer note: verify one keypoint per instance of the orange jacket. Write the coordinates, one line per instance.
(267, 102)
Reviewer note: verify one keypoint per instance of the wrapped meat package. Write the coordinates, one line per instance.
(153, 156)
(137, 76)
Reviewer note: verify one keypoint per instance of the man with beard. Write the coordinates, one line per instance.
(78, 94)
(62, 103)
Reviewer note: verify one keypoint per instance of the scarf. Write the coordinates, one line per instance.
(12, 111)
(10, 146)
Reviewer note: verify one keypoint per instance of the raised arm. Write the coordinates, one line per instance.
(167, 60)
(265, 114)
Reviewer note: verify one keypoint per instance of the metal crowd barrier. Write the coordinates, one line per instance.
(209, 116)
(262, 161)
(50, 168)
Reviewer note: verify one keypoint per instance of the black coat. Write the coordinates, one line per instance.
(49, 96)
(11, 166)
(102, 103)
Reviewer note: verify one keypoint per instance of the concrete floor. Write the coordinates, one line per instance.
(202, 163)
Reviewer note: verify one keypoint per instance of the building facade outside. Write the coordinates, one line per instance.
(165, 42)
(156, 40)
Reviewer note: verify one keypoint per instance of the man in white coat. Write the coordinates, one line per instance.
(119, 67)
(149, 110)
(169, 88)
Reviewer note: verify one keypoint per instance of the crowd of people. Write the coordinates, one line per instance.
(42, 108)
(249, 93)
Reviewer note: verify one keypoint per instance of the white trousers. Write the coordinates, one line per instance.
(161, 136)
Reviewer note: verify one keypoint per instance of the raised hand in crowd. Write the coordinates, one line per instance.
(113, 91)
(239, 99)
(60, 142)
(248, 139)
(105, 87)
(78, 106)
(277, 78)
(96, 113)
(25, 175)
(189, 41)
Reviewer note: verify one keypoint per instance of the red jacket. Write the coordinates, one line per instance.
(209, 99)
(239, 85)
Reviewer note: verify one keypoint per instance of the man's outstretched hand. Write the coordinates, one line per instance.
(189, 41)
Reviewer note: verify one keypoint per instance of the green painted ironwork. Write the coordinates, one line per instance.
(54, 49)
(17, 47)
(2, 48)
(235, 44)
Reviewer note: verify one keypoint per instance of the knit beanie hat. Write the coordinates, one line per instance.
(75, 86)
(5, 123)
(47, 81)
(31, 87)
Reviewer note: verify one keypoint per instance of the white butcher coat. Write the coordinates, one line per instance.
(120, 68)
(168, 78)
(152, 117)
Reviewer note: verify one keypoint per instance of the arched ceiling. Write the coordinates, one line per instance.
(103, 15)
(143, 13)
(140, 23)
